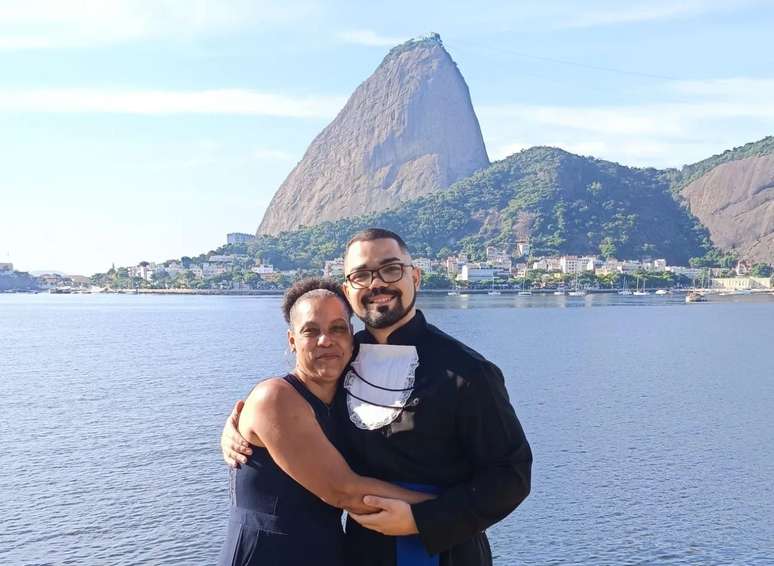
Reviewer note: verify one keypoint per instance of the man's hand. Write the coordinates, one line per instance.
(235, 449)
(394, 517)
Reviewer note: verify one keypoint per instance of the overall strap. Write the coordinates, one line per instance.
(319, 407)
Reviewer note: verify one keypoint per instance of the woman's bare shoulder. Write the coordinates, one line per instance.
(274, 394)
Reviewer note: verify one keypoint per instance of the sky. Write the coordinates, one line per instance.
(147, 130)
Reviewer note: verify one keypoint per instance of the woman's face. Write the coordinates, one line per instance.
(321, 337)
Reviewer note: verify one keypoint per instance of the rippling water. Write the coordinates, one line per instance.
(650, 420)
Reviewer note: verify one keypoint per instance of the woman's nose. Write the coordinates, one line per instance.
(324, 339)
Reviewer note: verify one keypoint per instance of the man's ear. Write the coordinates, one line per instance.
(417, 275)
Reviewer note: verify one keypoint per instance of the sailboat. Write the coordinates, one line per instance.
(524, 292)
(624, 288)
(637, 291)
(577, 291)
(492, 290)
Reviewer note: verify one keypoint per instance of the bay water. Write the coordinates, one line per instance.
(651, 423)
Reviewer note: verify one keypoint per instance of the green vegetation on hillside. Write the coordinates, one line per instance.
(692, 172)
(562, 203)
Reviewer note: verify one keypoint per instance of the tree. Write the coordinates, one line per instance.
(761, 270)
(435, 281)
(607, 248)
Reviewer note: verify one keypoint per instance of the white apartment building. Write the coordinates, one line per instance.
(547, 264)
(476, 272)
(570, 264)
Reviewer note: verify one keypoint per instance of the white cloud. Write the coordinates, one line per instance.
(702, 118)
(81, 23)
(735, 88)
(369, 38)
(218, 101)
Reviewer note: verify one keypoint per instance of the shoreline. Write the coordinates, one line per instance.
(424, 291)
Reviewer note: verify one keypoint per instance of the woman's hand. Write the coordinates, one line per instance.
(234, 447)
(394, 517)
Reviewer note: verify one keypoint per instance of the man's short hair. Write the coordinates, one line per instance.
(370, 234)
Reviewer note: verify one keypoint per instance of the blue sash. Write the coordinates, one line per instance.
(409, 550)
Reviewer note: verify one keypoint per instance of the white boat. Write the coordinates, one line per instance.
(525, 293)
(695, 297)
(662, 292)
(561, 292)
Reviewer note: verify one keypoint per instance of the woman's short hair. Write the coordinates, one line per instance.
(300, 288)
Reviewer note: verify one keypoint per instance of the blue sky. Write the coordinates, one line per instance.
(146, 130)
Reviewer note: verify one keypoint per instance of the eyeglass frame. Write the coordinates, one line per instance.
(375, 272)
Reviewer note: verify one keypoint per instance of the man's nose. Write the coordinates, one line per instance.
(324, 339)
(377, 281)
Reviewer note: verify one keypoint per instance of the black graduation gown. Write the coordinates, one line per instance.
(458, 432)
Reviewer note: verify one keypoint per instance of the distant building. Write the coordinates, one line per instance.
(214, 269)
(239, 238)
(612, 265)
(547, 264)
(263, 269)
(144, 270)
(454, 264)
(6, 267)
(743, 267)
(498, 258)
(424, 263)
(741, 283)
(689, 272)
(523, 249)
(476, 272)
(570, 264)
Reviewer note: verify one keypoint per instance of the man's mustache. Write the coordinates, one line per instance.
(377, 292)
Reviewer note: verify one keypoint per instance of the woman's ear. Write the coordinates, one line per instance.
(291, 341)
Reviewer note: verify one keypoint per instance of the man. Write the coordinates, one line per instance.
(434, 417)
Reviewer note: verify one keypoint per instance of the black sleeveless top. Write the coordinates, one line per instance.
(274, 520)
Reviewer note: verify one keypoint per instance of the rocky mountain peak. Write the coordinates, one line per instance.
(407, 131)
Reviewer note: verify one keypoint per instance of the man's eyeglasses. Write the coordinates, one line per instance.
(390, 273)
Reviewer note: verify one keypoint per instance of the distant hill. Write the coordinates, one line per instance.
(562, 203)
(405, 132)
(732, 194)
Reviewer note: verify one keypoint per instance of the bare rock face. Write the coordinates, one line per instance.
(407, 131)
(735, 201)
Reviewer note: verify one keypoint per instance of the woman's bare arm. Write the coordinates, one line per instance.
(285, 424)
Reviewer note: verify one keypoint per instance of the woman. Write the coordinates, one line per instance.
(287, 498)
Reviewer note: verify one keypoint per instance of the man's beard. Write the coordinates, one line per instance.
(386, 316)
